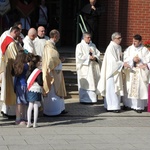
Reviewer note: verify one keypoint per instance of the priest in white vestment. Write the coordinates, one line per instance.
(8, 52)
(88, 69)
(19, 38)
(53, 80)
(137, 75)
(40, 40)
(111, 82)
(28, 41)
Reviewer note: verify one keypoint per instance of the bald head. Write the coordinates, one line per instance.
(32, 33)
(41, 31)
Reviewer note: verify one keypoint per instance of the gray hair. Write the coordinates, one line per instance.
(86, 33)
(115, 34)
(53, 33)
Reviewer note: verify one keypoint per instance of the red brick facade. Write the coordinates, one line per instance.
(128, 17)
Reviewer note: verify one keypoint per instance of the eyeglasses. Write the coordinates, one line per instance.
(119, 38)
(88, 37)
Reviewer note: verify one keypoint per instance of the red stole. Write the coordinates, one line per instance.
(5, 43)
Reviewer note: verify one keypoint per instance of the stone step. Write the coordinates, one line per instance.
(70, 52)
(69, 73)
(69, 67)
(70, 79)
(69, 60)
(71, 86)
(72, 94)
(67, 52)
(75, 94)
(69, 64)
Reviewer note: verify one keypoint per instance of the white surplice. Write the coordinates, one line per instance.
(136, 79)
(29, 45)
(39, 45)
(88, 72)
(111, 85)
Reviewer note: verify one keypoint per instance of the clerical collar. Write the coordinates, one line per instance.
(139, 47)
(41, 37)
(52, 41)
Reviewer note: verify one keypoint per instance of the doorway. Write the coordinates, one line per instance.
(63, 16)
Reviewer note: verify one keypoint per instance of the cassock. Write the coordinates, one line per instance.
(53, 81)
(39, 44)
(7, 57)
(29, 45)
(136, 79)
(90, 17)
(88, 72)
(111, 84)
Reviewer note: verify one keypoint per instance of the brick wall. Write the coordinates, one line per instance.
(112, 17)
(138, 19)
(128, 17)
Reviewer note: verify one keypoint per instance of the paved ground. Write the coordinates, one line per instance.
(86, 127)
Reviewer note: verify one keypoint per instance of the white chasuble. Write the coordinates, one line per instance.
(88, 71)
(111, 67)
(137, 79)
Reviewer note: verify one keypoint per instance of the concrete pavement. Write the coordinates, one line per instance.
(86, 127)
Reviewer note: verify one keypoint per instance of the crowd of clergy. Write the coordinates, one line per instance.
(120, 78)
(21, 94)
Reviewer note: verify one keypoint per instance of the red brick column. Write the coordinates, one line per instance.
(138, 21)
(112, 17)
(129, 17)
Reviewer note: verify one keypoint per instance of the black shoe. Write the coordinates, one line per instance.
(85, 103)
(64, 112)
(45, 115)
(7, 116)
(139, 111)
(4, 115)
(116, 111)
(125, 108)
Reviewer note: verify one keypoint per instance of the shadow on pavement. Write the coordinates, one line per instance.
(78, 115)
